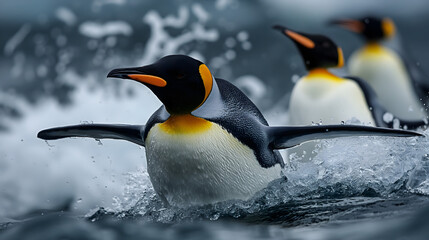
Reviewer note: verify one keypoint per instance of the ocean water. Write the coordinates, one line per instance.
(367, 203)
(54, 59)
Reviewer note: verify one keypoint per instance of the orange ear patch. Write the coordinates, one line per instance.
(207, 80)
(304, 41)
(388, 27)
(340, 57)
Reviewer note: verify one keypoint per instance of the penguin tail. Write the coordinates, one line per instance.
(287, 137)
(132, 133)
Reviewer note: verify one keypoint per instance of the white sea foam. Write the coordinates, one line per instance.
(40, 175)
(66, 15)
(343, 168)
(16, 39)
(161, 43)
(99, 30)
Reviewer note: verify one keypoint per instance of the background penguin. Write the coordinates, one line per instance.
(402, 88)
(208, 142)
(323, 96)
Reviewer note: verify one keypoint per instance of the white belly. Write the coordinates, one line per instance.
(331, 102)
(326, 101)
(204, 167)
(386, 73)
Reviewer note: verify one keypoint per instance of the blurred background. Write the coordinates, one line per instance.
(55, 55)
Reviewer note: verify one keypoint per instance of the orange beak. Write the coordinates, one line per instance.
(135, 74)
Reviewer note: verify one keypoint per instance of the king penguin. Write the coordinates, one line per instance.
(401, 86)
(321, 96)
(207, 142)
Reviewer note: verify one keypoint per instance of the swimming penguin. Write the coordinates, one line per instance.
(402, 88)
(207, 142)
(323, 96)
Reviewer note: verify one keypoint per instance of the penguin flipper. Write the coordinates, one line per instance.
(378, 111)
(287, 137)
(132, 133)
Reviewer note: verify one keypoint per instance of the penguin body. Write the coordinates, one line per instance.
(220, 156)
(321, 96)
(324, 97)
(216, 164)
(386, 73)
(398, 84)
(207, 142)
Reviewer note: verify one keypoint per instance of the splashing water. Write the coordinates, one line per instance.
(347, 171)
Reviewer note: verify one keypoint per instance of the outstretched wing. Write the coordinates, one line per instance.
(287, 137)
(132, 133)
(378, 110)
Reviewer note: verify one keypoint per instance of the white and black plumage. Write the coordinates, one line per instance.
(207, 142)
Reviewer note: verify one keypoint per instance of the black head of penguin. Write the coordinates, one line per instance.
(317, 51)
(180, 82)
(371, 28)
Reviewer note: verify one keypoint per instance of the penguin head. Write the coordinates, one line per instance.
(317, 51)
(180, 82)
(371, 28)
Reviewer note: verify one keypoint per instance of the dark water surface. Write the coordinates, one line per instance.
(351, 218)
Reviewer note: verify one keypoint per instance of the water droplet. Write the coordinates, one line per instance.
(295, 78)
(242, 36)
(388, 117)
(215, 216)
(230, 55)
(99, 141)
(246, 46)
(396, 123)
(230, 42)
(46, 141)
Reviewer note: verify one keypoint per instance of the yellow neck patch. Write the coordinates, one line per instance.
(185, 124)
(373, 48)
(322, 73)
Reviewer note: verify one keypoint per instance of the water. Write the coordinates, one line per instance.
(329, 198)
(54, 59)
(332, 213)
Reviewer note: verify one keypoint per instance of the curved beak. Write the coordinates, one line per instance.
(295, 36)
(349, 24)
(138, 75)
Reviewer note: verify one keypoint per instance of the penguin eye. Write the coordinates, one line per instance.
(326, 44)
(179, 75)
